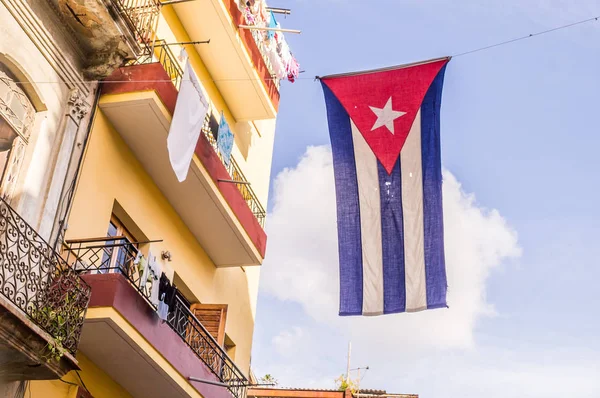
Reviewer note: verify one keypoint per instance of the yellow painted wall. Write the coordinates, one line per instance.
(99, 383)
(111, 172)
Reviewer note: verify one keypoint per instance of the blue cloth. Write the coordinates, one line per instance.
(348, 209)
(225, 140)
(272, 24)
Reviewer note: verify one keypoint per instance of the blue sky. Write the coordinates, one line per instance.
(519, 148)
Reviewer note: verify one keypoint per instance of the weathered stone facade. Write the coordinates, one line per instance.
(52, 52)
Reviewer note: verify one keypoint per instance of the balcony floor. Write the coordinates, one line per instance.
(23, 346)
(126, 339)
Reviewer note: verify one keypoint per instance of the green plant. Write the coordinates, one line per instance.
(343, 383)
(55, 317)
(54, 323)
(269, 379)
(55, 350)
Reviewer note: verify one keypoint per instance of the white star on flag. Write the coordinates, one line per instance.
(386, 116)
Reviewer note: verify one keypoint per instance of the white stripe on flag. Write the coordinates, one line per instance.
(412, 208)
(370, 224)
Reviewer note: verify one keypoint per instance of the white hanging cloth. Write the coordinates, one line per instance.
(190, 111)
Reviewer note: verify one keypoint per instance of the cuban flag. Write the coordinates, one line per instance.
(385, 138)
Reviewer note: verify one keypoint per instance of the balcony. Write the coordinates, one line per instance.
(42, 304)
(233, 58)
(139, 102)
(110, 31)
(234, 171)
(108, 265)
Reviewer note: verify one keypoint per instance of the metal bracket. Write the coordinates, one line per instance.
(277, 10)
(269, 29)
(183, 43)
(234, 181)
(169, 2)
(217, 383)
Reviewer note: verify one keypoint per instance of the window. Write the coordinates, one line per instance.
(120, 252)
(16, 121)
(229, 347)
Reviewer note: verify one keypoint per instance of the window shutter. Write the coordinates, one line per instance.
(213, 318)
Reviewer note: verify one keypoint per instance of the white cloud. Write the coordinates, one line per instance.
(433, 353)
(302, 263)
(287, 341)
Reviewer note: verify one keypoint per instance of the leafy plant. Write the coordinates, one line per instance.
(269, 379)
(55, 349)
(57, 313)
(343, 383)
(54, 322)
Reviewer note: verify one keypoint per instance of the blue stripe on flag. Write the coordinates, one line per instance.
(435, 268)
(348, 209)
(392, 239)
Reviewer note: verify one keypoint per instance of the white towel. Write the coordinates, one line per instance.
(190, 111)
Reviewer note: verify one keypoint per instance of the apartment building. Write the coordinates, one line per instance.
(166, 271)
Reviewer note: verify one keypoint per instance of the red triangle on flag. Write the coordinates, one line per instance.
(383, 104)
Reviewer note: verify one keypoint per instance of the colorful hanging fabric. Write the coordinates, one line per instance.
(225, 140)
(293, 70)
(272, 24)
(276, 62)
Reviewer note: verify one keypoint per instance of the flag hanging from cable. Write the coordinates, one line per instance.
(384, 127)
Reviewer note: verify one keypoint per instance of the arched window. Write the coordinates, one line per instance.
(16, 122)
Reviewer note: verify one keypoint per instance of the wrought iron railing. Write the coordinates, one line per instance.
(113, 255)
(39, 282)
(141, 19)
(191, 330)
(236, 174)
(259, 37)
(118, 255)
(164, 55)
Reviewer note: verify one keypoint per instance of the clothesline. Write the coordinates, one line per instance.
(475, 50)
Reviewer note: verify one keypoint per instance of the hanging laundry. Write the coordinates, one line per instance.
(163, 308)
(182, 55)
(272, 25)
(264, 13)
(276, 63)
(250, 19)
(190, 111)
(167, 292)
(164, 285)
(146, 278)
(152, 279)
(139, 264)
(293, 70)
(225, 140)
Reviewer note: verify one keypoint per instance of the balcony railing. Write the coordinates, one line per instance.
(112, 255)
(259, 38)
(191, 330)
(39, 282)
(117, 255)
(164, 55)
(236, 174)
(141, 19)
